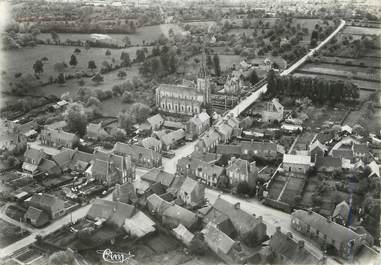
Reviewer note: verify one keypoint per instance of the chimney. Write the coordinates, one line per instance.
(278, 229)
(237, 205)
(300, 244)
(310, 211)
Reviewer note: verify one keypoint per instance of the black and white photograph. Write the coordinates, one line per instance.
(190, 132)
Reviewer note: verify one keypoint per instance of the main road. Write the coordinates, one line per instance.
(271, 216)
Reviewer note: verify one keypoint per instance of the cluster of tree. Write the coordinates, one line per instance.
(165, 62)
(137, 113)
(76, 118)
(317, 89)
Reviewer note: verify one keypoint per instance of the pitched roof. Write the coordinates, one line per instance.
(26, 127)
(158, 175)
(240, 166)
(319, 222)
(259, 146)
(360, 148)
(135, 151)
(286, 246)
(116, 160)
(189, 185)
(317, 144)
(206, 157)
(194, 164)
(155, 120)
(176, 184)
(64, 157)
(228, 149)
(242, 221)
(184, 216)
(210, 137)
(173, 136)
(49, 166)
(95, 130)
(174, 124)
(150, 142)
(35, 214)
(343, 153)
(277, 105)
(182, 233)
(328, 161)
(157, 204)
(34, 154)
(179, 89)
(217, 240)
(297, 159)
(47, 202)
(125, 193)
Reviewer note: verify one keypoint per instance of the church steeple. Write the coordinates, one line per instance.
(203, 82)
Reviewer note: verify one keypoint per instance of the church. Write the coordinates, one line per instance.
(188, 98)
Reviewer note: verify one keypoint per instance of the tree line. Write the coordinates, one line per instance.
(317, 89)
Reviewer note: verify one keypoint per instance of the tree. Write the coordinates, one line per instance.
(172, 64)
(122, 74)
(125, 58)
(73, 60)
(253, 77)
(77, 51)
(243, 188)
(216, 63)
(97, 78)
(91, 65)
(38, 67)
(61, 78)
(93, 101)
(106, 66)
(76, 118)
(127, 97)
(140, 111)
(140, 55)
(209, 62)
(126, 41)
(116, 90)
(126, 120)
(55, 36)
(108, 52)
(81, 82)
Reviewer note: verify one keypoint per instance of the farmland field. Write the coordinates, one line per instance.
(147, 33)
(22, 60)
(361, 30)
(344, 71)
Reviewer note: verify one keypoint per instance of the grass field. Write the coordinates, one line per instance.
(147, 33)
(361, 30)
(10, 233)
(22, 60)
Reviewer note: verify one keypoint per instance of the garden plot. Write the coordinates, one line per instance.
(10, 233)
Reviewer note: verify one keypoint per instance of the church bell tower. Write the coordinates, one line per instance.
(203, 82)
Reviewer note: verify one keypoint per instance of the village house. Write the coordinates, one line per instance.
(240, 170)
(328, 164)
(192, 193)
(109, 168)
(208, 141)
(247, 227)
(125, 193)
(121, 215)
(210, 158)
(176, 185)
(317, 149)
(140, 156)
(95, 131)
(197, 169)
(50, 204)
(156, 122)
(296, 163)
(223, 246)
(341, 212)
(185, 99)
(197, 125)
(345, 241)
(273, 111)
(26, 132)
(287, 250)
(58, 138)
(152, 143)
(183, 234)
(32, 159)
(36, 217)
(72, 159)
(158, 175)
(360, 151)
(173, 139)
